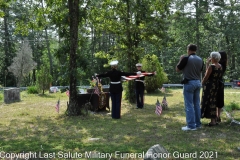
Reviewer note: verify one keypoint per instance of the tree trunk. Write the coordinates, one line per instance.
(130, 93)
(197, 27)
(49, 53)
(48, 45)
(7, 60)
(73, 108)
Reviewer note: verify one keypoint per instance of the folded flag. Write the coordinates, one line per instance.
(158, 110)
(164, 103)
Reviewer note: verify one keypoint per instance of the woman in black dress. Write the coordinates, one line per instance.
(211, 86)
(220, 96)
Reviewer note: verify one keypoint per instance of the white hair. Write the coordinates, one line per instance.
(216, 56)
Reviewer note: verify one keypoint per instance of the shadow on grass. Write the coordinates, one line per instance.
(135, 132)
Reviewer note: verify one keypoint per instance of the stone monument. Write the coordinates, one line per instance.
(11, 95)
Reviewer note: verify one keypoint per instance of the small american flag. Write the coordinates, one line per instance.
(158, 108)
(96, 90)
(57, 106)
(67, 93)
(164, 103)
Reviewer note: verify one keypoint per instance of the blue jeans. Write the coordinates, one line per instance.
(191, 93)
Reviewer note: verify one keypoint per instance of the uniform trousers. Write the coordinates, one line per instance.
(139, 96)
(116, 104)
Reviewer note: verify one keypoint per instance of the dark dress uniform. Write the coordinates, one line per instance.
(115, 89)
(139, 89)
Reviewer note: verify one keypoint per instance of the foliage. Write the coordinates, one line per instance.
(44, 77)
(23, 63)
(92, 82)
(32, 90)
(150, 64)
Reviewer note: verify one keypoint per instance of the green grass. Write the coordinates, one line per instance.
(33, 126)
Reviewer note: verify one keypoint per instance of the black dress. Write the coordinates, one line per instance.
(220, 95)
(210, 92)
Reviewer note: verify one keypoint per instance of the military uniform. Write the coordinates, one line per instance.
(140, 88)
(115, 88)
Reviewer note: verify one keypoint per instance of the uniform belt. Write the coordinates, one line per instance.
(139, 80)
(116, 82)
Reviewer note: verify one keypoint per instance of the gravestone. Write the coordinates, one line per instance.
(157, 152)
(11, 95)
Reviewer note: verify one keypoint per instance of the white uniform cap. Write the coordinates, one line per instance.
(138, 65)
(114, 63)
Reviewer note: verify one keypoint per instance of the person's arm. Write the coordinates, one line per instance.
(207, 74)
(182, 63)
(208, 62)
(103, 75)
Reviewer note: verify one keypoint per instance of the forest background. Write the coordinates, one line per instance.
(63, 43)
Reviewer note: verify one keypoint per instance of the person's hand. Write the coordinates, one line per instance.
(208, 60)
(139, 73)
(155, 73)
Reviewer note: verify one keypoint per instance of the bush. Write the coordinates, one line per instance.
(32, 90)
(151, 64)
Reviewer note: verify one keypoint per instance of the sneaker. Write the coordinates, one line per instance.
(188, 129)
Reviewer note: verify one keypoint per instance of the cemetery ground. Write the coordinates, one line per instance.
(33, 126)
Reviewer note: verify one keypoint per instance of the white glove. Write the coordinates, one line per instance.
(155, 73)
(139, 72)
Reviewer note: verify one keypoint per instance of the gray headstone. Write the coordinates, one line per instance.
(11, 95)
(157, 152)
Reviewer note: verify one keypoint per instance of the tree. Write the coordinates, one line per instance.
(130, 24)
(44, 77)
(150, 64)
(73, 109)
(22, 63)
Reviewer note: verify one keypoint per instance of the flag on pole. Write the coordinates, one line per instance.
(67, 93)
(57, 105)
(96, 90)
(158, 110)
(162, 89)
(164, 103)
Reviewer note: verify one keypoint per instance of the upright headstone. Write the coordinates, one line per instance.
(11, 95)
(157, 152)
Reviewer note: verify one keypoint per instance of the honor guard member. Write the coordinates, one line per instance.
(115, 88)
(140, 87)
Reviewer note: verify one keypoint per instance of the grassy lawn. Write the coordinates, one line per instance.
(33, 127)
